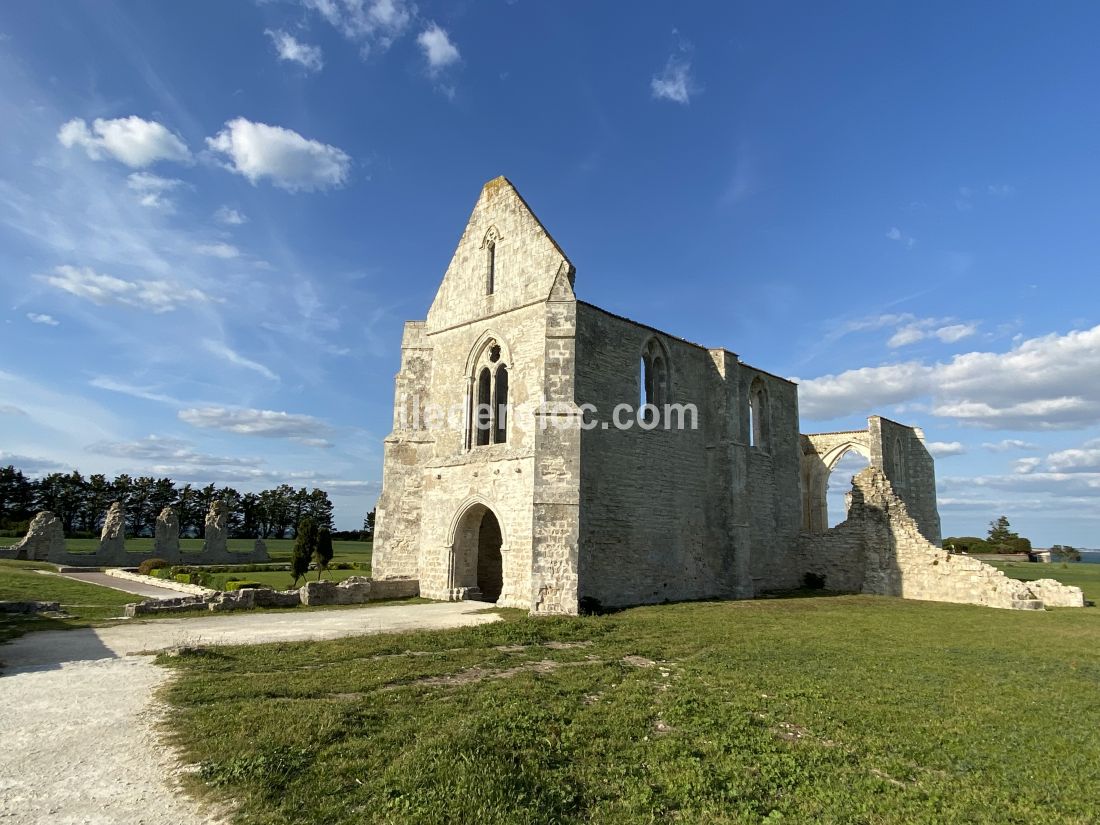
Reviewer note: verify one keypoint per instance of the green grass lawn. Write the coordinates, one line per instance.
(844, 709)
(281, 580)
(278, 549)
(1085, 576)
(84, 602)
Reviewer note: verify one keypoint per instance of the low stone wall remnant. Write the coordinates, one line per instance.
(353, 590)
(880, 550)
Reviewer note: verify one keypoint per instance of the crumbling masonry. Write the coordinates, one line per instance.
(506, 480)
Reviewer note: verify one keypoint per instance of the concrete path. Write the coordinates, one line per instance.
(79, 729)
(148, 591)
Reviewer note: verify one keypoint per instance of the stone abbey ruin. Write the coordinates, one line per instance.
(504, 481)
(45, 541)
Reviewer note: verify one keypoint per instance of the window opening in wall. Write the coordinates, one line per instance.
(500, 405)
(490, 283)
(488, 398)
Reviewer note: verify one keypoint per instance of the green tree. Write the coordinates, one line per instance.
(324, 551)
(16, 498)
(1000, 532)
(1065, 552)
(305, 545)
(368, 525)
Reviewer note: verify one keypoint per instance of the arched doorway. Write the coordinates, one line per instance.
(839, 491)
(827, 480)
(478, 564)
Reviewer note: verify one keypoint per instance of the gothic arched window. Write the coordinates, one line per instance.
(759, 419)
(653, 383)
(488, 397)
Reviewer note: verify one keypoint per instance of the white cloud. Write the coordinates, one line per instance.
(222, 250)
(263, 423)
(674, 82)
(1083, 459)
(1026, 465)
(131, 140)
(158, 296)
(41, 318)
(895, 234)
(230, 216)
(1000, 190)
(290, 161)
(233, 357)
(1043, 383)
(289, 48)
(438, 49)
(1008, 444)
(942, 449)
(908, 334)
(370, 23)
(955, 332)
(152, 189)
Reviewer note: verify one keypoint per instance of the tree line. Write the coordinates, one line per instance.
(1003, 539)
(81, 503)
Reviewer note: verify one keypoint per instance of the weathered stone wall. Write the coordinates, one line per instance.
(431, 479)
(897, 450)
(166, 534)
(880, 549)
(911, 470)
(774, 487)
(45, 538)
(682, 513)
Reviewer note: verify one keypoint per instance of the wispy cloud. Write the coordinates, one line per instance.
(42, 318)
(262, 423)
(232, 217)
(372, 24)
(157, 296)
(227, 353)
(895, 234)
(1009, 444)
(166, 448)
(225, 251)
(292, 50)
(153, 190)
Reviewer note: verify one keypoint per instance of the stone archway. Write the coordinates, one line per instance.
(478, 568)
(821, 454)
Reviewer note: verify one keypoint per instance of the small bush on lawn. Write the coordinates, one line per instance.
(242, 585)
(149, 565)
(183, 578)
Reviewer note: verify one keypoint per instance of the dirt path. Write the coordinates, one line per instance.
(78, 727)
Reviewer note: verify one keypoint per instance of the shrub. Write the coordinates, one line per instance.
(182, 578)
(242, 585)
(149, 565)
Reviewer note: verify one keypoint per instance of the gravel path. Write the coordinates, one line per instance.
(149, 591)
(78, 727)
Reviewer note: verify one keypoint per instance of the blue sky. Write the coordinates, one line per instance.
(215, 216)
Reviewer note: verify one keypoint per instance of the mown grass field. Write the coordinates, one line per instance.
(844, 709)
(1085, 576)
(84, 602)
(278, 549)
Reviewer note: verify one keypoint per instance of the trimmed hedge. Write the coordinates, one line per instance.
(243, 585)
(149, 565)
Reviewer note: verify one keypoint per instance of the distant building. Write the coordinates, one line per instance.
(1042, 556)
